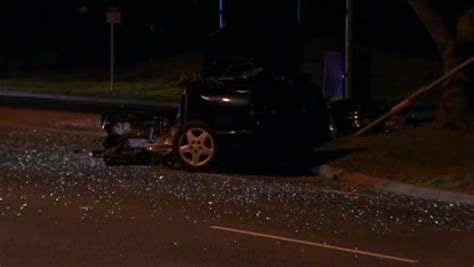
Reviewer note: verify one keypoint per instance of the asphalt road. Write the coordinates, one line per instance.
(61, 207)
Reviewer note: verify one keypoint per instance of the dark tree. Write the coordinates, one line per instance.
(456, 103)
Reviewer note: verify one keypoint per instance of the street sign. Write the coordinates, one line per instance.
(113, 15)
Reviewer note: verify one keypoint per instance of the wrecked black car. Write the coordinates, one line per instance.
(284, 114)
(250, 97)
(220, 114)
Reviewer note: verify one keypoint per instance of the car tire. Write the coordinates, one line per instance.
(195, 146)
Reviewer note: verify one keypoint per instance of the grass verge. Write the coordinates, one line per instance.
(424, 155)
(148, 80)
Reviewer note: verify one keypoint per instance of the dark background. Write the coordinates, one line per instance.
(74, 32)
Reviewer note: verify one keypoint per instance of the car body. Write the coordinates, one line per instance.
(247, 112)
(253, 111)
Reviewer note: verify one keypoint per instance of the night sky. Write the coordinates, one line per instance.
(76, 30)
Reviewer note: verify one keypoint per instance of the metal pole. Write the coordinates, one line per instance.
(112, 56)
(299, 11)
(407, 101)
(348, 50)
(221, 14)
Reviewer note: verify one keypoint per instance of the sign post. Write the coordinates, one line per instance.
(113, 16)
(221, 14)
(348, 70)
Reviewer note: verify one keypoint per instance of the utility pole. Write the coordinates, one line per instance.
(221, 14)
(348, 64)
(112, 56)
(299, 11)
(113, 16)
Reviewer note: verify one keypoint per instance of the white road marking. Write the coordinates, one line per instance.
(314, 244)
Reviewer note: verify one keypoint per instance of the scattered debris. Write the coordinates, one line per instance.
(327, 172)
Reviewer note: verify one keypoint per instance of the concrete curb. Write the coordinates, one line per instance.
(83, 103)
(400, 188)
